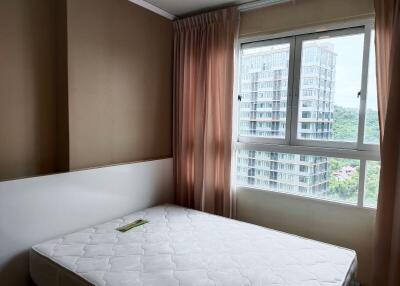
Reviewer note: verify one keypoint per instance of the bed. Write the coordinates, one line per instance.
(181, 246)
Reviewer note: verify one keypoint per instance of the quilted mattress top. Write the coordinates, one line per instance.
(181, 246)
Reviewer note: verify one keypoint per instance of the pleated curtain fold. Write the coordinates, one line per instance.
(204, 52)
(386, 270)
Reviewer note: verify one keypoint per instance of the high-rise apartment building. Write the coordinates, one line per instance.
(263, 110)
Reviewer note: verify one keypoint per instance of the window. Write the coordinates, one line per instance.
(332, 88)
(307, 116)
(264, 79)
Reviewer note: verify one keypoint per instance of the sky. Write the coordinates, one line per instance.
(349, 50)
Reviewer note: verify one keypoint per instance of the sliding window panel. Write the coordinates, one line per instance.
(328, 178)
(372, 176)
(371, 130)
(328, 87)
(265, 88)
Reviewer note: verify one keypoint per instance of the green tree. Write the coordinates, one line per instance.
(372, 183)
(341, 185)
(345, 127)
(372, 127)
(345, 123)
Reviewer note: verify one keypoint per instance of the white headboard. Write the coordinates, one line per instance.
(37, 209)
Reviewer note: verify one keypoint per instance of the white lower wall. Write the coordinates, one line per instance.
(337, 224)
(37, 209)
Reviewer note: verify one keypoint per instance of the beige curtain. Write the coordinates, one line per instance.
(203, 92)
(386, 270)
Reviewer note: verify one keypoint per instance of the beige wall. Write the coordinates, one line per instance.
(100, 95)
(302, 13)
(62, 128)
(27, 88)
(120, 94)
(345, 226)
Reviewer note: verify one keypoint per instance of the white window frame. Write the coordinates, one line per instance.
(290, 144)
(286, 140)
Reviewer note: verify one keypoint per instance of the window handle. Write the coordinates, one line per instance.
(239, 97)
(359, 94)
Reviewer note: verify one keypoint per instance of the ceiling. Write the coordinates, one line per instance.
(182, 7)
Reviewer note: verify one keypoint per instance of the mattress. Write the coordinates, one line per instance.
(181, 246)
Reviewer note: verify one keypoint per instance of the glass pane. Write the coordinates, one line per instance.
(264, 89)
(317, 176)
(330, 81)
(373, 169)
(371, 133)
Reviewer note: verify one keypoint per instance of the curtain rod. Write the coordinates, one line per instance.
(242, 7)
(260, 4)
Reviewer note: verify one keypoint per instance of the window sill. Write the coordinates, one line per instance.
(308, 198)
